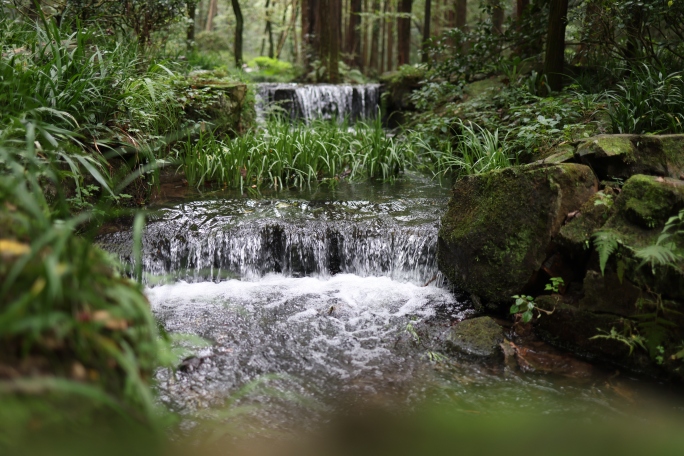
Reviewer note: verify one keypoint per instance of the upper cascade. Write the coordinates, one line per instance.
(321, 101)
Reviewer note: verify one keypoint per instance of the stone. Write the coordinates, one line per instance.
(574, 238)
(479, 337)
(622, 156)
(221, 104)
(498, 227)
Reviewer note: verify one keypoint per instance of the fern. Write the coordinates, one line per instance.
(606, 243)
(657, 255)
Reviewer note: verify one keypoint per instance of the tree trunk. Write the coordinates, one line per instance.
(555, 44)
(426, 30)
(390, 40)
(383, 35)
(329, 31)
(520, 7)
(190, 32)
(364, 37)
(375, 37)
(310, 36)
(239, 26)
(213, 7)
(354, 33)
(404, 33)
(461, 17)
(497, 17)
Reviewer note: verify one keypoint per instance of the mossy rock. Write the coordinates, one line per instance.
(499, 225)
(622, 156)
(640, 213)
(574, 237)
(222, 104)
(562, 154)
(479, 337)
(483, 88)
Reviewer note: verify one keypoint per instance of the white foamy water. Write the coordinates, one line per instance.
(332, 335)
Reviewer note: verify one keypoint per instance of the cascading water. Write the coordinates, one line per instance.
(320, 101)
(320, 290)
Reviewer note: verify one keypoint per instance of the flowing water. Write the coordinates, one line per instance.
(320, 101)
(305, 302)
(300, 303)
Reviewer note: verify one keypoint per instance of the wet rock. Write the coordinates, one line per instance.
(622, 156)
(498, 228)
(480, 337)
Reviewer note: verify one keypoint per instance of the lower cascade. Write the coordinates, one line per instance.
(247, 239)
(321, 101)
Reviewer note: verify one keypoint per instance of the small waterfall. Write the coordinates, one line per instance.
(192, 244)
(320, 101)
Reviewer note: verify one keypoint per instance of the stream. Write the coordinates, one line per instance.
(299, 304)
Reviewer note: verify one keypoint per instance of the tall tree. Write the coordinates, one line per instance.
(329, 20)
(404, 32)
(213, 10)
(390, 37)
(190, 32)
(239, 26)
(461, 16)
(497, 17)
(310, 38)
(426, 29)
(353, 44)
(555, 44)
(375, 36)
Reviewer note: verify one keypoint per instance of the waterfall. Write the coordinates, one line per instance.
(320, 101)
(296, 239)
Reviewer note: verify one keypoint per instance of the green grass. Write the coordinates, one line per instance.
(281, 156)
(476, 151)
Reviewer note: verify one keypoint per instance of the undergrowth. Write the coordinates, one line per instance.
(282, 155)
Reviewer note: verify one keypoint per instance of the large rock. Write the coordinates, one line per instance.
(629, 298)
(499, 226)
(222, 104)
(622, 156)
(479, 337)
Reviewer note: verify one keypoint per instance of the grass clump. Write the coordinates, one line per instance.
(282, 155)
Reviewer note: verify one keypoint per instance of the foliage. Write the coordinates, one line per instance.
(648, 101)
(606, 243)
(525, 305)
(282, 156)
(477, 151)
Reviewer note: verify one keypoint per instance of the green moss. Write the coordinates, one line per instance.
(478, 337)
(498, 225)
(483, 88)
(673, 148)
(609, 146)
(649, 201)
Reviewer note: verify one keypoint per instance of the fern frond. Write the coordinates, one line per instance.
(657, 255)
(606, 243)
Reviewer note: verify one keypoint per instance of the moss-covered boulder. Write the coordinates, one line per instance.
(221, 103)
(633, 306)
(479, 337)
(574, 238)
(622, 156)
(499, 226)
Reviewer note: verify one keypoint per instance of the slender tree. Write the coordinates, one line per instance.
(352, 47)
(190, 32)
(404, 32)
(461, 16)
(239, 26)
(426, 29)
(497, 17)
(375, 37)
(555, 44)
(390, 38)
(213, 10)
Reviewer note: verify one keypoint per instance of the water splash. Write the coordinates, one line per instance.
(320, 101)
